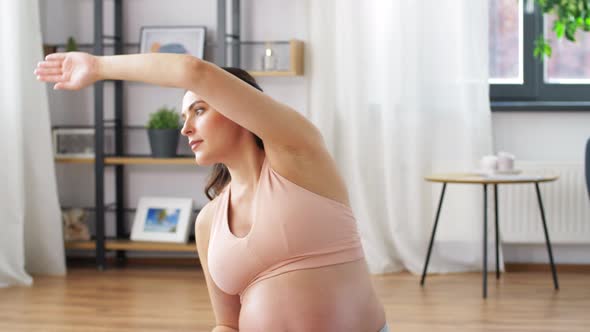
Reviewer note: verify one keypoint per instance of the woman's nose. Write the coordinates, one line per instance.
(187, 129)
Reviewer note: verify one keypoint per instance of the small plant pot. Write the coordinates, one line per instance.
(163, 142)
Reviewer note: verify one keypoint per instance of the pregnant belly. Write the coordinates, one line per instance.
(331, 298)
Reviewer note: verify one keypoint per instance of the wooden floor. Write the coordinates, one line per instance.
(176, 299)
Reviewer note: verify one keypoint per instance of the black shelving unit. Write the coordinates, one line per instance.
(117, 42)
(99, 133)
(227, 53)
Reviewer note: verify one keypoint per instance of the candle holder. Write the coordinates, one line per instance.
(269, 59)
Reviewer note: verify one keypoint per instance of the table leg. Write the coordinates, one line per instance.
(555, 283)
(497, 231)
(485, 240)
(442, 195)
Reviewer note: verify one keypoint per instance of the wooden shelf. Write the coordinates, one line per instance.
(148, 160)
(130, 161)
(84, 245)
(149, 246)
(133, 245)
(68, 160)
(295, 62)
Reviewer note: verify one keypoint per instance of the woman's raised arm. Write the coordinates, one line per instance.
(77, 70)
(275, 123)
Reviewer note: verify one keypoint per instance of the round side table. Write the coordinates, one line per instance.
(470, 178)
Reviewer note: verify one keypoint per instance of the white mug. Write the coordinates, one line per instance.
(505, 161)
(489, 164)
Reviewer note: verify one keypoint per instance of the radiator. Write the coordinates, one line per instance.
(566, 203)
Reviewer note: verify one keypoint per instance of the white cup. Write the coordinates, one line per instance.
(505, 161)
(489, 164)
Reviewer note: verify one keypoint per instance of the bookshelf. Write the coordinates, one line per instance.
(293, 51)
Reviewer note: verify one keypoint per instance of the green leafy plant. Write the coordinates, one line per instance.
(164, 118)
(571, 16)
(71, 45)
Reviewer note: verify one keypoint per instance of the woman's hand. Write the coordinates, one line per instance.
(70, 71)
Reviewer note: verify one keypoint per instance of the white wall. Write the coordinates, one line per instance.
(543, 136)
(556, 136)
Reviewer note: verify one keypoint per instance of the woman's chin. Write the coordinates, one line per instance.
(202, 160)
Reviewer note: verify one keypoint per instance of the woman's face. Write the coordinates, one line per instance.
(216, 135)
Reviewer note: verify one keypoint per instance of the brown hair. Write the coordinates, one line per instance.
(220, 176)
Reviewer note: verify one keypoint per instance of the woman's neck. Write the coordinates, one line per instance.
(244, 170)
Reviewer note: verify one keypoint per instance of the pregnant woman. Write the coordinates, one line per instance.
(278, 242)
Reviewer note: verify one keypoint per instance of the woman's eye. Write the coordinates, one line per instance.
(199, 111)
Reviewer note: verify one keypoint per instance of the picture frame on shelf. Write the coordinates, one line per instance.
(74, 142)
(173, 39)
(162, 219)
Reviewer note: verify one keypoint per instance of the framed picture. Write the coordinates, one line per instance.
(79, 142)
(173, 39)
(162, 219)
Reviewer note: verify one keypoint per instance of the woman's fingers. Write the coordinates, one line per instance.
(48, 71)
(50, 64)
(51, 78)
(56, 56)
(48, 68)
(65, 86)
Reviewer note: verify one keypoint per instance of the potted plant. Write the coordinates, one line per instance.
(163, 132)
(72, 45)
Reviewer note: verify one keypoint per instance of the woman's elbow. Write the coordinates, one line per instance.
(193, 72)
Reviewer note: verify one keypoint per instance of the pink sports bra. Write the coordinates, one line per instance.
(292, 229)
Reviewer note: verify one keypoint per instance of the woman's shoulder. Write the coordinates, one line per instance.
(314, 170)
(205, 217)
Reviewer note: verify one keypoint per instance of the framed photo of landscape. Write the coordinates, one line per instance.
(162, 219)
(173, 39)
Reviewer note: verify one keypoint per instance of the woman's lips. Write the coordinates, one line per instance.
(195, 144)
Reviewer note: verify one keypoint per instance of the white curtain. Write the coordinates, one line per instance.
(399, 90)
(31, 240)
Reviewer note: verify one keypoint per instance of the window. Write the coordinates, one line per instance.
(505, 42)
(516, 75)
(570, 63)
